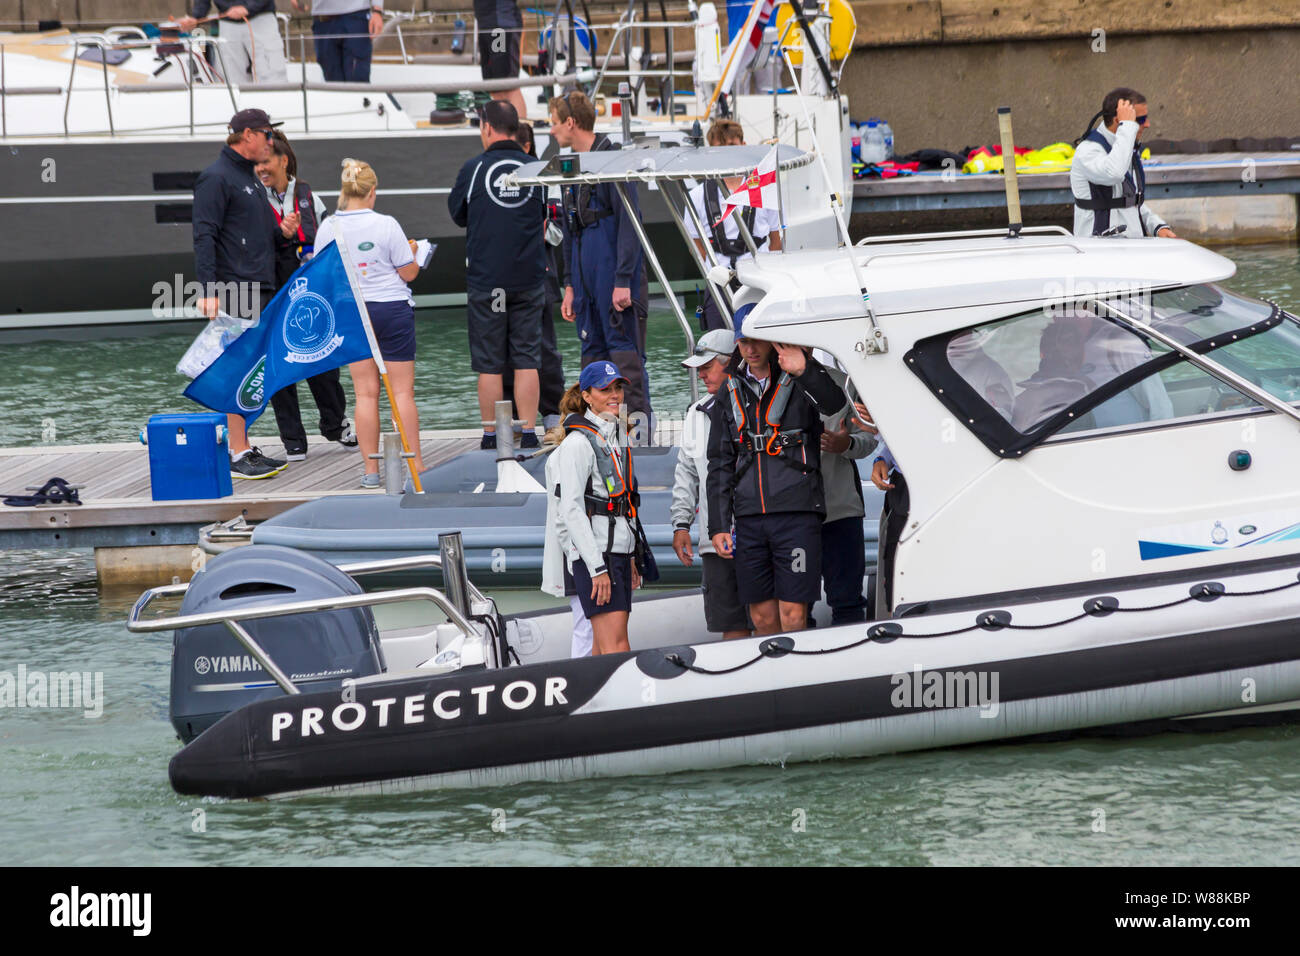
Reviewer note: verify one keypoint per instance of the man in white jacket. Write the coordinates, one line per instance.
(1106, 173)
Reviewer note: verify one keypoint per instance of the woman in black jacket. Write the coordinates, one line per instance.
(298, 213)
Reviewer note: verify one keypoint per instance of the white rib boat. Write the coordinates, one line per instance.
(1100, 441)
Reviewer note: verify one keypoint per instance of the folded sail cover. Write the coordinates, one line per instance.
(312, 325)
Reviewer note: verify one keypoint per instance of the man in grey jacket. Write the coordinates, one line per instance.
(844, 564)
(723, 612)
(252, 50)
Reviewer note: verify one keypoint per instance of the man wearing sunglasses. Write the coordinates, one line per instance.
(1106, 173)
(234, 251)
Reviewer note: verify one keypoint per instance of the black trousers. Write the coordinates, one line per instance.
(330, 402)
(550, 376)
(843, 566)
(893, 519)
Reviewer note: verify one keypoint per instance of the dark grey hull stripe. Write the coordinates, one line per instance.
(235, 758)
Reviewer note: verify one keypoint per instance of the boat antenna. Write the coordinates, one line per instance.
(1009, 177)
(875, 343)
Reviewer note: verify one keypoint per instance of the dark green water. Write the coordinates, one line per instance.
(75, 790)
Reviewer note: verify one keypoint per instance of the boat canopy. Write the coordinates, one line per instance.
(656, 164)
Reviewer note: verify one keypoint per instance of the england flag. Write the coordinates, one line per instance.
(758, 189)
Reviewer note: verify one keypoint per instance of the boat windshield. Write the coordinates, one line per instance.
(1073, 369)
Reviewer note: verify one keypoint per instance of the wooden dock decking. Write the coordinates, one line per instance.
(118, 510)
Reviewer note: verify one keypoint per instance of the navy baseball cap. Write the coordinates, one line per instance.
(251, 119)
(738, 319)
(599, 375)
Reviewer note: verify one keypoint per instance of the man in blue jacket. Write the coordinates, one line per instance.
(602, 258)
(505, 273)
(234, 251)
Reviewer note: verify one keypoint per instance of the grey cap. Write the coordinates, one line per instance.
(719, 343)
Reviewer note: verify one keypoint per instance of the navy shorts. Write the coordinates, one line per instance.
(620, 593)
(394, 325)
(499, 26)
(779, 556)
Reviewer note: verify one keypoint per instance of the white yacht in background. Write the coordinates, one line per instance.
(104, 134)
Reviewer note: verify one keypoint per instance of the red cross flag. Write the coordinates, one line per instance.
(758, 189)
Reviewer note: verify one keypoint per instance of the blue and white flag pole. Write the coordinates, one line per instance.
(407, 455)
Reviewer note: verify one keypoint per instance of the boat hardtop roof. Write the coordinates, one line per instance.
(931, 280)
(640, 164)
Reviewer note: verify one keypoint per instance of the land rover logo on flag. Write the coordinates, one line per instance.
(308, 326)
(251, 397)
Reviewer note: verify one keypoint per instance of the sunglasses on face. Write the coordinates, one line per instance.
(1144, 119)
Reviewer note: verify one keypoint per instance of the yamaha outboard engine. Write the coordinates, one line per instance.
(214, 674)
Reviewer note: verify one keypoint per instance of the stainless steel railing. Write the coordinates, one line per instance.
(232, 618)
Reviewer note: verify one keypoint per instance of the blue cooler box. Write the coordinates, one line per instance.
(189, 456)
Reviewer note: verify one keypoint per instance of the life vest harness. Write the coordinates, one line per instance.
(772, 439)
(733, 249)
(306, 220)
(1103, 199)
(616, 474)
(579, 211)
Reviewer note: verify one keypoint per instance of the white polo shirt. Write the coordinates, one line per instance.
(766, 221)
(378, 248)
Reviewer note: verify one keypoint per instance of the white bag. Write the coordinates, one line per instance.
(210, 343)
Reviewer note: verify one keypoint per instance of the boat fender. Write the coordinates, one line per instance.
(665, 663)
(994, 620)
(777, 646)
(885, 633)
(1101, 606)
(1207, 591)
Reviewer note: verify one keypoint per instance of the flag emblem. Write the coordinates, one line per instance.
(252, 390)
(308, 330)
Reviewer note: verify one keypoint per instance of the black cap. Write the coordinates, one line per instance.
(251, 119)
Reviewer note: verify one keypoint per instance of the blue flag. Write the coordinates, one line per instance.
(312, 325)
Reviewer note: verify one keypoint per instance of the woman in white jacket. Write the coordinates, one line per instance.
(591, 514)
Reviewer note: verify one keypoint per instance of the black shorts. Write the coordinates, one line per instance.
(620, 593)
(498, 42)
(505, 327)
(779, 556)
(394, 325)
(722, 608)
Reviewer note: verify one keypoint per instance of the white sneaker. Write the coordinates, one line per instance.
(348, 438)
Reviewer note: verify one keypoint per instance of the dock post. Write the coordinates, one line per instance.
(505, 431)
(394, 467)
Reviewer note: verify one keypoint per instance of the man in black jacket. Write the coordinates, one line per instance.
(234, 251)
(505, 272)
(765, 478)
